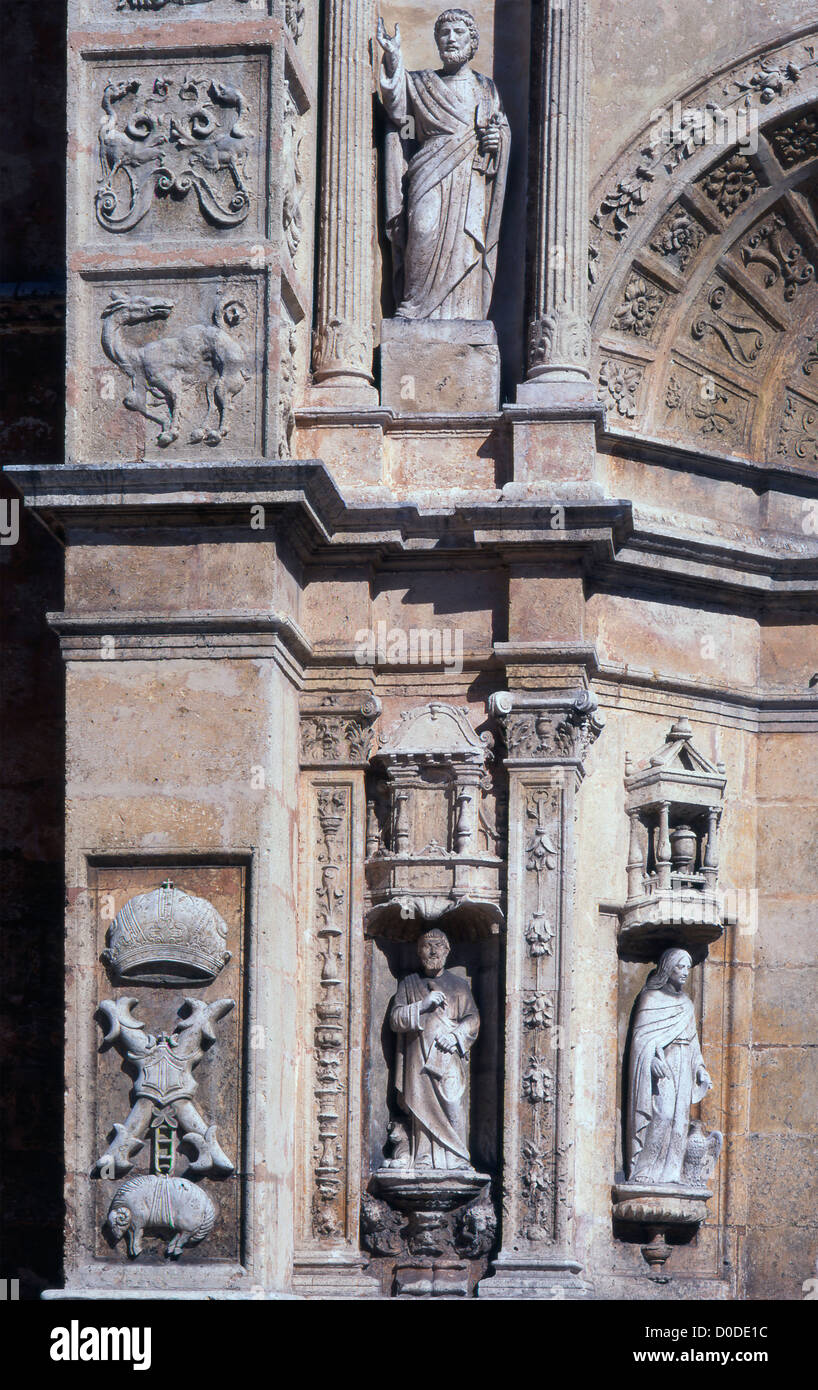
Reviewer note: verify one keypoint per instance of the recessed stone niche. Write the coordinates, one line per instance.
(170, 1007)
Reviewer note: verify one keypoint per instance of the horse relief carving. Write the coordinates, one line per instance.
(202, 366)
(183, 135)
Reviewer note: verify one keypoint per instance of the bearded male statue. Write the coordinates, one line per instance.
(445, 200)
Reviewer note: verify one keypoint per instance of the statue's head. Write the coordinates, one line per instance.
(673, 968)
(433, 951)
(457, 38)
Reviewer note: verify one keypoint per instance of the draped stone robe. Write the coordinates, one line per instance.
(444, 224)
(431, 1084)
(659, 1108)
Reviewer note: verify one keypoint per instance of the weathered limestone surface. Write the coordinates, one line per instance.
(344, 601)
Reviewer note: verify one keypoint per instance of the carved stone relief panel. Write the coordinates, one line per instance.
(180, 148)
(730, 183)
(798, 430)
(541, 890)
(729, 329)
(292, 216)
(776, 258)
(330, 969)
(678, 238)
(167, 1118)
(172, 13)
(638, 311)
(165, 367)
(697, 401)
(620, 387)
(796, 141)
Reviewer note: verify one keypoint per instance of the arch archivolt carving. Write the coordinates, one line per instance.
(704, 266)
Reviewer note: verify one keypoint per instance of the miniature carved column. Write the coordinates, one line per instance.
(336, 740)
(559, 343)
(343, 344)
(547, 738)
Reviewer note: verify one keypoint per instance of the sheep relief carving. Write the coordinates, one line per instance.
(187, 379)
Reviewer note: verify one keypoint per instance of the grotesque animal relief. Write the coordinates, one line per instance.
(163, 372)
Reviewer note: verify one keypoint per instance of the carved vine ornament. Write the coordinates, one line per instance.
(183, 136)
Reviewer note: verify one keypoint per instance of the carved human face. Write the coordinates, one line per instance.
(454, 43)
(433, 952)
(679, 974)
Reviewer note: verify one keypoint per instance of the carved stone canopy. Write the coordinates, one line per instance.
(674, 803)
(425, 817)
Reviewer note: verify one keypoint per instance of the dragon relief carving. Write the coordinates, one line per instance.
(208, 355)
(185, 135)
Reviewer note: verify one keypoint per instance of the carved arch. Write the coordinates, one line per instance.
(704, 266)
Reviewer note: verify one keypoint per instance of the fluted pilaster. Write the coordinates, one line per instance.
(559, 337)
(343, 344)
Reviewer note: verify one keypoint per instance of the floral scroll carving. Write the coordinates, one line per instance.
(183, 136)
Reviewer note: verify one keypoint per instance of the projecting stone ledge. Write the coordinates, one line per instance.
(439, 366)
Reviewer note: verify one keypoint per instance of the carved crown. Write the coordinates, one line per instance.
(167, 935)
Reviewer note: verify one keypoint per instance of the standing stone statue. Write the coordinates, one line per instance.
(666, 1074)
(443, 207)
(436, 1020)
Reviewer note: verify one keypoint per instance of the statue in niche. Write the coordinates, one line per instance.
(436, 1021)
(443, 206)
(666, 1076)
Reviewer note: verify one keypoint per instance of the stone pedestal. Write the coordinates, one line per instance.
(440, 367)
(428, 1197)
(656, 1211)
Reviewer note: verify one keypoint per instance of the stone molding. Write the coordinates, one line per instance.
(202, 636)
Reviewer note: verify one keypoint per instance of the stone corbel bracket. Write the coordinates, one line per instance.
(338, 730)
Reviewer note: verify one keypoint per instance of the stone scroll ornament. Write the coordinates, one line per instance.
(208, 358)
(180, 137)
(666, 1076)
(447, 154)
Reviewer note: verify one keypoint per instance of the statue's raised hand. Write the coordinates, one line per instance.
(391, 47)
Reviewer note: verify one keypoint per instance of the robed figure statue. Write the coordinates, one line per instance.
(666, 1074)
(436, 1021)
(444, 202)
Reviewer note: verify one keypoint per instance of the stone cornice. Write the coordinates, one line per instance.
(193, 635)
(613, 541)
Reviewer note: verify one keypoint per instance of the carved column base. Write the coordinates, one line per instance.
(534, 1276)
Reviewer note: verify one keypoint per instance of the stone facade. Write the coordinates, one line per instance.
(384, 625)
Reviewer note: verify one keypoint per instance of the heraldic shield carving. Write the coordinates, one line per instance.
(164, 1085)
